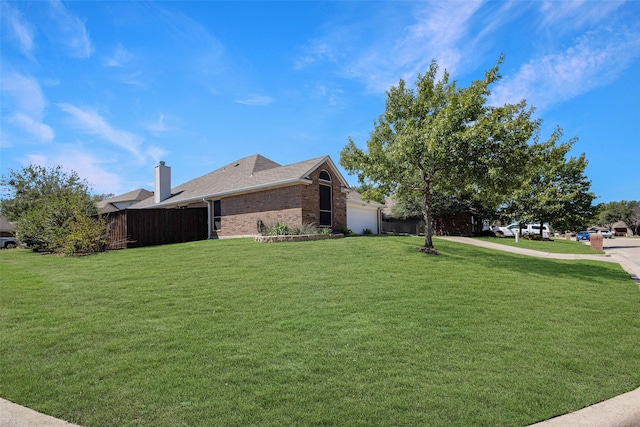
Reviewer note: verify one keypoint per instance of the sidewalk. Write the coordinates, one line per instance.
(610, 255)
(14, 415)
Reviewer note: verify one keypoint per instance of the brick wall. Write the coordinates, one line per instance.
(311, 199)
(293, 205)
(240, 214)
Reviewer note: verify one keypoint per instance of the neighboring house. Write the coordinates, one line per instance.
(123, 201)
(620, 228)
(254, 191)
(7, 229)
(363, 215)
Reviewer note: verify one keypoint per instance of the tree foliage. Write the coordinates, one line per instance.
(624, 210)
(53, 210)
(556, 189)
(441, 139)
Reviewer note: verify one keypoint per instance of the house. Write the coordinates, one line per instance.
(254, 191)
(620, 228)
(7, 228)
(123, 201)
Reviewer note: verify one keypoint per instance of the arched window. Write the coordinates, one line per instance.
(326, 202)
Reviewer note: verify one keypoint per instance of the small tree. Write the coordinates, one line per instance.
(442, 139)
(51, 208)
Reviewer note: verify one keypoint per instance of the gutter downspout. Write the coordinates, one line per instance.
(208, 218)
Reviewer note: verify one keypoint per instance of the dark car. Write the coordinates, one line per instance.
(583, 235)
(8, 242)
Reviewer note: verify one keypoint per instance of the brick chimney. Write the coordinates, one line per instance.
(162, 189)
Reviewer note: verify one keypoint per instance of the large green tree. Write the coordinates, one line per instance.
(438, 138)
(624, 210)
(557, 189)
(53, 210)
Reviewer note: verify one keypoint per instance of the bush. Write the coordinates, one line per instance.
(83, 236)
(367, 232)
(346, 231)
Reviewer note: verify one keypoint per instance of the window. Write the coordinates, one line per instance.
(217, 215)
(325, 206)
(324, 176)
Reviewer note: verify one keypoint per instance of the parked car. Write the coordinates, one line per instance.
(8, 242)
(512, 229)
(583, 235)
(606, 234)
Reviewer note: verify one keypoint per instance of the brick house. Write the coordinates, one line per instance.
(254, 191)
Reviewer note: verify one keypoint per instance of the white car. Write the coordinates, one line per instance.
(512, 229)
(606, 234)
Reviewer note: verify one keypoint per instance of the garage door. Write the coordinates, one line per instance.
(360, 218)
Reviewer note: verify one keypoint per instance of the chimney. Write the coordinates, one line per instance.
(162, 183)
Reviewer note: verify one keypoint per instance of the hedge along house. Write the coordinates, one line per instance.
(254, 191)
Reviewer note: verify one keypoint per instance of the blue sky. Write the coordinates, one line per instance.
(110, 88)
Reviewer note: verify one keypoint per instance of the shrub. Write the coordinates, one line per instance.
(367, 232)
(277, 229)
(83, 235)
(308, 228)
(346, 231)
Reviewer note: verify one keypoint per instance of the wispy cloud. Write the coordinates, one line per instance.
(87, 166)
(256, 100)
(24, 92)
(25, 99)
(404, 47)
(119, 58)
(90, 122)
(576, 13)
(17, 28)
(70, 31)
(37, 129)
(596, 59)
(158, 127)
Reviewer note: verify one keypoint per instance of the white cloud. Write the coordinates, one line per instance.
(84, 164)
(158, 127)
(595, 60)
(576, 13)
(25, 93)
(156, 153)
(17, 28)
(40, 130)
(381, 54)
(70, 31)
(119, 58)
(90, 122)
(256, 100)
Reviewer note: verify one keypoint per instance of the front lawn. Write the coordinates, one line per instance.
(350, 332)
(556, 245)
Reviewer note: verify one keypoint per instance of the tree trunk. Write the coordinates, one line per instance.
(428, 218)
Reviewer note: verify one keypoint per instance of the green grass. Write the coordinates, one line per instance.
(349, 332)
(556, 245)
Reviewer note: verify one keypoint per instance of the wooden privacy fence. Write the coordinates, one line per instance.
(135, 228)
(451, 225)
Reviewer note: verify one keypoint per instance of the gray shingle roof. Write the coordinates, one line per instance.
(247, 174)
